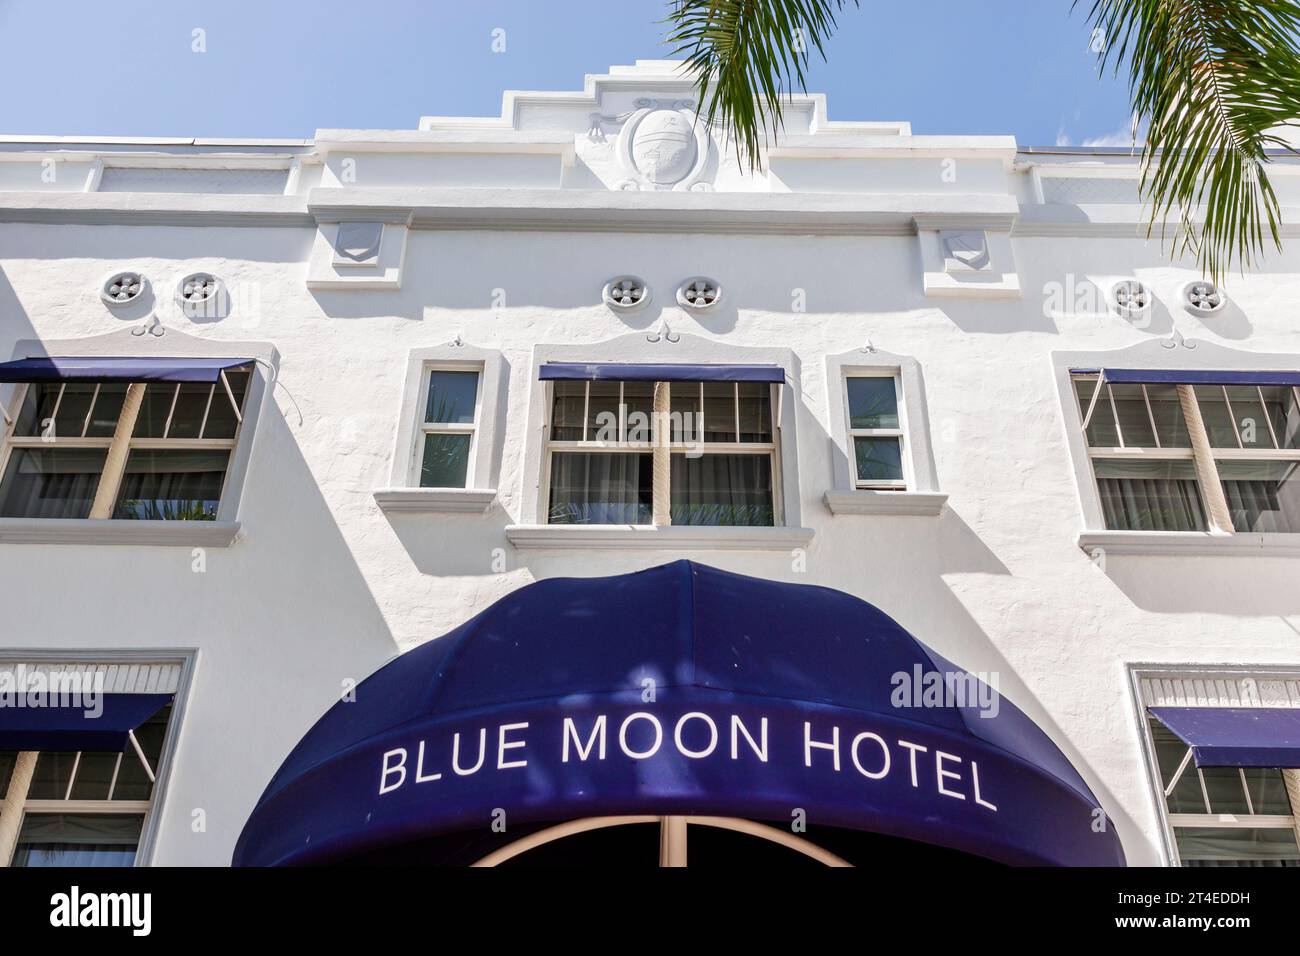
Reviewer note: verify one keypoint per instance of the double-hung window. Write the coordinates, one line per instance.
(721, 439)
(1193, 455)
(451, 404)
(85, 808)
(82, 447)
(876, 434)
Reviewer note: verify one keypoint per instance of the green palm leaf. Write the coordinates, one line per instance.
(747, 55)
(1213, 80)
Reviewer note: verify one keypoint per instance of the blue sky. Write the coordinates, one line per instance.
(276, 68)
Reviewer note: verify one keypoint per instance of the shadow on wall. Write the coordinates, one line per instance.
(1245, 586)
(14, 322)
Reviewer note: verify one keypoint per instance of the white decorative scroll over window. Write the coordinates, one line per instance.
(722, 444)
(59, 451)
(451, 404)
(1142, 447)
(876, 430)
(1219, 816)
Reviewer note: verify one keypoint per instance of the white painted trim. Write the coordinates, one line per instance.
(178, 534)
(650, 537)
(865, 502)
(434, 500)
(1191, 543)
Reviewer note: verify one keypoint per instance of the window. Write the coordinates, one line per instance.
(1224, 816)
(1141, 444)
(450, 403)
(62, 457)
(876, 431)
(722, 453)
(88, 808)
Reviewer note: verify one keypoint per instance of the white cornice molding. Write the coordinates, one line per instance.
(862, 502)
(1189, 544)
(648, 538)
(435, 500)
(154, 209)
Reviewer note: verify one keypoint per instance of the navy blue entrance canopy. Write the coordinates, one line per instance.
(1167, 376)
(1236, 736)
(678, 690)
(38, 721)
(108, 369)
(629, 372)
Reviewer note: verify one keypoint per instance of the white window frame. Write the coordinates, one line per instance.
(1196, 685)
(772, 449)
(219, 391)
(138, 662)
(427, 428)
(906, 482)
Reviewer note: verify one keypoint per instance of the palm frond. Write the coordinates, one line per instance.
(747, 56)
(1214, 80)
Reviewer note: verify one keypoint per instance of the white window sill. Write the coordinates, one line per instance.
(435, 500)
(1190, 543)
(863, 502)
(176, 534)
(646, 537)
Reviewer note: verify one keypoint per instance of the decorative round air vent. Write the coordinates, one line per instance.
(199, 292)
(1202, 297)
(123, 288)
(626, 293)
(1130, 297)
(699, 293)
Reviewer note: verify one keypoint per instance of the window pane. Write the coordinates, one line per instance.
(1149, 495)
(132, 782)
(600, 488)
(38, 407)
(50, 482)
(154, 409)
(755, 412)
(1166, 409)
(1267, 791)
(452, 396)
(722, 490)
(221, 417)
(602, 417)
(873, 402)
(1262, 495)
(686, 411)
(720, 411)
(73, 409)
(107, 410)
(7, 760)
(172, 485)
(1131, 408)
(566, 413)
(191, 406)
(1214, 410)
(94, 774)
(445, 462)
(1170, 751)
(1101, 426)
(878, 459)
(1223, 784)
(52, 774)
(1280, 401)
(638, 406)
(80, 839)
(1212, 846)
(1251, 419)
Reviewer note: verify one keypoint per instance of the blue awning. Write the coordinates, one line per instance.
(27, 722)
(630, 372)
(1165, 376)
(1236, 736)
(763, 697)
(108, 369)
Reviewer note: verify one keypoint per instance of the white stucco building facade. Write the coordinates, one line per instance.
(976, 276)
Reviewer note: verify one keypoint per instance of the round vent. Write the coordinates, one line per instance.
(123, 288)
(699, 293)
(1202, 297)
(626, 293)
(199, 292)
(1130, 297)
